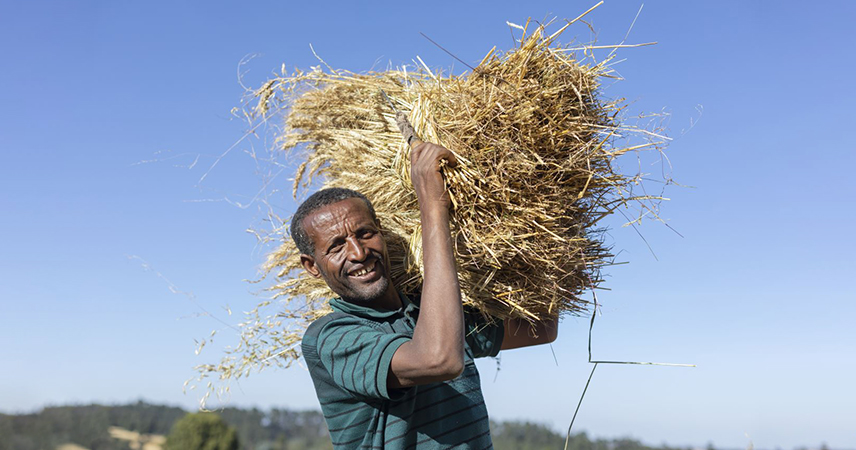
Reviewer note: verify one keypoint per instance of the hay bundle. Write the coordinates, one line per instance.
(536, 149)
(535, 175)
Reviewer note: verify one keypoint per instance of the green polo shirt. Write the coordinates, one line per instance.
(348, 354)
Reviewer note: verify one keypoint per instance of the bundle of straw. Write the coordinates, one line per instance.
(536, 150)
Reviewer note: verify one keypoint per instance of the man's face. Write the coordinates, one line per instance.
(350, 253)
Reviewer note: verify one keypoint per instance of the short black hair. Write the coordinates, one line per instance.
(315, 201)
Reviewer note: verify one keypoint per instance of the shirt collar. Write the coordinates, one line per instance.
(371, 313)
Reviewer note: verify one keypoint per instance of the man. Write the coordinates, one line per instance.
(384, 378)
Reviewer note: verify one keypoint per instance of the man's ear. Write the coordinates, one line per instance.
(308, 262)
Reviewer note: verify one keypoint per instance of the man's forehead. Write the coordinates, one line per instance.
(350, 211)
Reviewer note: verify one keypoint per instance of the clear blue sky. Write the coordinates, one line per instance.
(757, 293)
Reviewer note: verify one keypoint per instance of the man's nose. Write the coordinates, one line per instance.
(356, 251)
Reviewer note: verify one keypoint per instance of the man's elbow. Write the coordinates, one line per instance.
(550, 331)
(544, 333)
(445, 366)
(414, 365)
(551, 335)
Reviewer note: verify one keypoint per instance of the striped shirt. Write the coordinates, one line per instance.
(348, 354)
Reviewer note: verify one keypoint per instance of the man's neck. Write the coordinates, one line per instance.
(390, 300)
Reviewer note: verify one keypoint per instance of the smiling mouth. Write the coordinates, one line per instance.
(365, 270)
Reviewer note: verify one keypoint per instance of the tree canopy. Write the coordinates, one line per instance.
(202, 431)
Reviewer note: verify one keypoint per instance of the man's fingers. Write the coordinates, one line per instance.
(451, 159)
(426, 162)
(434, 152)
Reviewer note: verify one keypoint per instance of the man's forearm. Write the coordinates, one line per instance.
(520, 333)
(440, 329)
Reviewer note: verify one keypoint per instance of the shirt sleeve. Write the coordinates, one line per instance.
(358, 356)
(484, 337)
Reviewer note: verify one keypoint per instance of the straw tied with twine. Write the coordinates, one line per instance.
(536, 149)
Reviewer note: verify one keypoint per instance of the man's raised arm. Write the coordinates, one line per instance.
(436, 352)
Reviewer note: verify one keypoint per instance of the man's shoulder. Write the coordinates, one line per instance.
(329, 324)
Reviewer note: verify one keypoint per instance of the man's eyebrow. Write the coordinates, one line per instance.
(332, 239)
(335, 238)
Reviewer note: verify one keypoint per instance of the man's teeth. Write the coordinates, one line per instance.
(363, 271)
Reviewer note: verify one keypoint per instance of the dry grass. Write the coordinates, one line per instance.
(537, 148)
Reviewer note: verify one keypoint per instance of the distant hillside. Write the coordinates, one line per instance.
(87, 426)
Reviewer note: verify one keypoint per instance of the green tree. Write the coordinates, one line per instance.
(516, 435)
(202, 431)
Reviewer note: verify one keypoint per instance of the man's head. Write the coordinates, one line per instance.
(315, 201)
(340, 239)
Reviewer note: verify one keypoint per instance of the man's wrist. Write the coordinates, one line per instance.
(436, 219)
(436, 210)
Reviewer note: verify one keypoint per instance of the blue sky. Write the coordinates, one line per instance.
(104, 106)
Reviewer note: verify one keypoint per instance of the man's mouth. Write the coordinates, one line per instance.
(365, 270)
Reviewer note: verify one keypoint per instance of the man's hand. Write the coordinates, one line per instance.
(425, 164)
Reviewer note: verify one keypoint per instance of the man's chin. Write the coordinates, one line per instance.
(369, 294)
